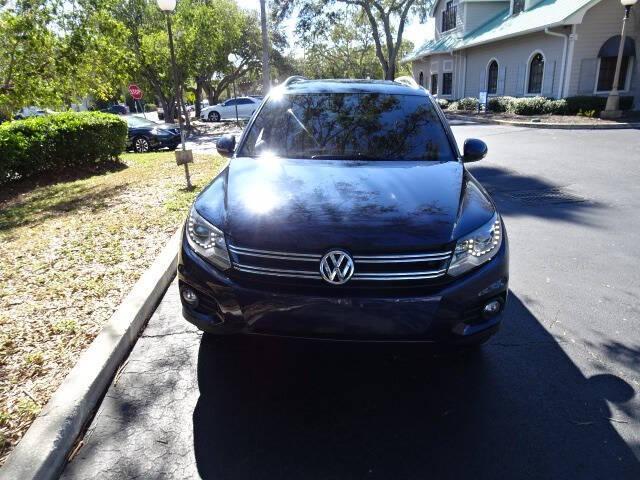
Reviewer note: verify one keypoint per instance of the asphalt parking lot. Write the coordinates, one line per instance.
(554, 396)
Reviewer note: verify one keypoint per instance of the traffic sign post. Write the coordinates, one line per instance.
(136, 93)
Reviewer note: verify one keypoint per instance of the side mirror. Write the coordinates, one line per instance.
(226, 145)
(474, 150)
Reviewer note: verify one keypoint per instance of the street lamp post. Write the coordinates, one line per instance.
(184, 157)
(235, 61)
(612, 109)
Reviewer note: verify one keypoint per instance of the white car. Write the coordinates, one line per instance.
(27, 112)
(227, 110)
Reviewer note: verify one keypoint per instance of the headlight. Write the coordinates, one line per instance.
(477, 248)
(207, 240)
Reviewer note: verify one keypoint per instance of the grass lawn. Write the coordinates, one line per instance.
(69, 253)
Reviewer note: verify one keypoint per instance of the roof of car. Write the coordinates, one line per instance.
(352, 86)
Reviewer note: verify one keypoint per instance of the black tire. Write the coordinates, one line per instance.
(141, 145)
(214, 117)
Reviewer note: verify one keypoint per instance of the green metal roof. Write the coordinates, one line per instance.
(547, 13)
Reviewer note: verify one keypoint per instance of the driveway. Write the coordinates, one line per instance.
(553, 396)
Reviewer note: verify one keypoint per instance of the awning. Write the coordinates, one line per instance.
(611, 47)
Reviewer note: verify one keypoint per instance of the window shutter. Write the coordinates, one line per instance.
(587, 78)
(549, 78)
(483, 81)
(502, 75)
(522, 71)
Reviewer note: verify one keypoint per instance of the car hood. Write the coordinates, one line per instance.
(169, 127)
(315, 205)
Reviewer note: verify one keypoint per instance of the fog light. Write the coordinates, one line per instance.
(492, 309)
(189, 296)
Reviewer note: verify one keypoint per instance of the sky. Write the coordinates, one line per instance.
(414, 31)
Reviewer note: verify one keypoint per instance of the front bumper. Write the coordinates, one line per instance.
(452, 313)
(166, 141)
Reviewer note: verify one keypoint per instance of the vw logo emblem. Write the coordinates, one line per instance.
(336, 267)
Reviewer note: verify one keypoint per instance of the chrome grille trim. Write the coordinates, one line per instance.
(275, 255)
(243, 263)
(414, 257)
(277, 272)
(399, 276)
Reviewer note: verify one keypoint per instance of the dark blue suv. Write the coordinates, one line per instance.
(346, 213)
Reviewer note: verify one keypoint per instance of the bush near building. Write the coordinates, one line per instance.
(541, 105)
(44, 144)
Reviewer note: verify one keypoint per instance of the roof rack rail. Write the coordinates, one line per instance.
(408, 81)
(294, 79)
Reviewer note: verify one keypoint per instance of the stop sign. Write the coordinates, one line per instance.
(135, 91)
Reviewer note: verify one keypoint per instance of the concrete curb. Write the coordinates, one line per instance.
(556, 126)
(42, 452)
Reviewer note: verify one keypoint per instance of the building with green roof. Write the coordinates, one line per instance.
(553, 48)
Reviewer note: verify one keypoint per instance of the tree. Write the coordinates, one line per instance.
(386, 18)
(246, 46)
(344, 50)
(53, 55)
(210, 30)
(266, 69)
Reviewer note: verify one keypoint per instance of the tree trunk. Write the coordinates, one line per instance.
(198, 97)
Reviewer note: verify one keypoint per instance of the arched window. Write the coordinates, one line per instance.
(536, 74)
(608, 57)
(492, 78)
(421, 79)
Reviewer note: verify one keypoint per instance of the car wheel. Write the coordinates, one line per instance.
(214, 117)
(141, 145)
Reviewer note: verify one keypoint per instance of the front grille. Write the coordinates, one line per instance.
(369, 270)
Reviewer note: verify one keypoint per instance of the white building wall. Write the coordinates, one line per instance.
(600, 23)
(477, 14)
(513, 56)
(459, 30)
(438, 65)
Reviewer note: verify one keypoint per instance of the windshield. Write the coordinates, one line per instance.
(140, 122)
(372, 126)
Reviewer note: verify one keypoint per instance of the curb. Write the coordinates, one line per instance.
(556, 126)
(41, 454)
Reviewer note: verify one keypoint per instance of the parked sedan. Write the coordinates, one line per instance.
(117, 110)
(27, 112)
(145, 135)
(227, 110)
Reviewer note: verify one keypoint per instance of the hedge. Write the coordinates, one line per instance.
(444, 103)
(44, 144)
(597, 104)
(542, 105)
(469, 104)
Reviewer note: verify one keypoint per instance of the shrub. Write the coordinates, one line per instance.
(469, 103)
(150, 107)
(597, 104)
(587, 113)
(555, 107)
(43, 144)
(453, 106)
(444, 104)
(527, 106)
(499, 104)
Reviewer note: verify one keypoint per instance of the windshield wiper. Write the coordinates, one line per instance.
(350, 156)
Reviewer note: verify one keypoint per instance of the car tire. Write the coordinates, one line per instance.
(141, 145)
(214, 117)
